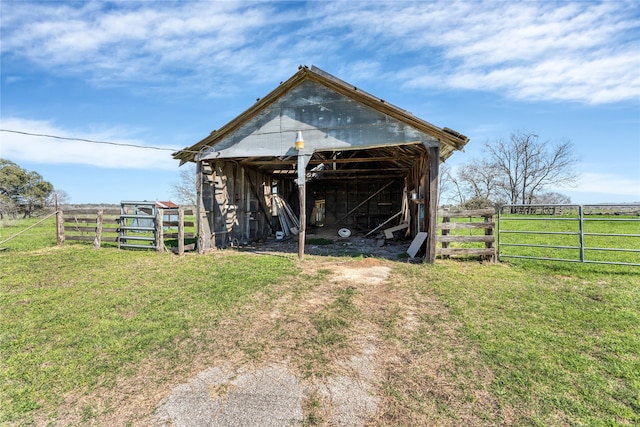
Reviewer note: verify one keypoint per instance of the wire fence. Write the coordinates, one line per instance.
(27, 233)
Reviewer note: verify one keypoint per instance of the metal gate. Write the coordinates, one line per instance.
(138, 225)
(602, 234)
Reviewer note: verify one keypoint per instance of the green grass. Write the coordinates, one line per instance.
(318, 241)
(560, 340)
(74, 317)
(332, 326)
(563, 344)
(42, 235)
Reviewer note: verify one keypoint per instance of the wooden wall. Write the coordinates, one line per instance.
(359, 205)
(235, 206)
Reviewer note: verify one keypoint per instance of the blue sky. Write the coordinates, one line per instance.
(165, 74)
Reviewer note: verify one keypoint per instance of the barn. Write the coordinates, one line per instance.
(319, 152)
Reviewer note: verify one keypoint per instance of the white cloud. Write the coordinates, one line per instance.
(585, 51)
(577, 51)
(612, 185)
(37, 149)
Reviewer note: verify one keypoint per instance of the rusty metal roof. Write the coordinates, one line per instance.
(399, 156)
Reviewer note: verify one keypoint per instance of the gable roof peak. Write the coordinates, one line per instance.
(451, 139)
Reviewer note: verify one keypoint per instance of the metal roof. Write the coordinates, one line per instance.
(362, 162)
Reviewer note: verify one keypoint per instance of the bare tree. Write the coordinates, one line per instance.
(528, 166)
(551, 198)
(61, 196)
(447, 186)
(185, 189)
(480, 179)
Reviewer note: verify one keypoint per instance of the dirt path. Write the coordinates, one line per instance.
(348, 343)
(341, 386)
(273, 393)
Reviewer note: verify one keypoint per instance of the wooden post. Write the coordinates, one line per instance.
(160, 230)
(431, 202)
(181, 231)
(445, 232)
(59, 227)
(98, 238)
(200, 211)
(490, 244)
(303, 210)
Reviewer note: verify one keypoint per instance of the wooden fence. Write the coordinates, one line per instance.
(107, 225)
(88, 225)
(445, 237)
(176, 227)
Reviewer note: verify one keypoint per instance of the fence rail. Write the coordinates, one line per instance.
(575, 236)
(128, 230)
(88, 225)
(446, 226)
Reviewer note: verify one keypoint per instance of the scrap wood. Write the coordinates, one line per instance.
(383, 224)
(417, 243)
(388, 233)
(288, 220)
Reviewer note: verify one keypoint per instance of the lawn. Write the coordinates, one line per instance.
(86, 334)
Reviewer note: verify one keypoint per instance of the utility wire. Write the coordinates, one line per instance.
(120, 144)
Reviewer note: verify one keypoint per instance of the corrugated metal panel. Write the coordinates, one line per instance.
(306, 100)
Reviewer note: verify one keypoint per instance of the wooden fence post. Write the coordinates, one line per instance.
(489, 231)
(98, 238)
(60, 227)
(160, 230)
(445, 232)
(180, 231)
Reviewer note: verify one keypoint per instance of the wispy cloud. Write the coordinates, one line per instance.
(611, 184)
(37, 149)
(576, 51)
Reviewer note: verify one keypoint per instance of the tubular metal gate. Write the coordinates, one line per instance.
(602, 234)
(138, 225)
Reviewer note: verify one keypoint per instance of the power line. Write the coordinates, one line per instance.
(120, 144)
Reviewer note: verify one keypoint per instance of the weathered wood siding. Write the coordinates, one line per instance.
(236, 206)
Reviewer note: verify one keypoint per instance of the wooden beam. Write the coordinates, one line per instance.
(59, 226)
(278, 162)
(181, 231)
(98, 239)
(368, 177)
(431, 207)
(160, 230)
(201, 214)
(348, 171)
(303, 203)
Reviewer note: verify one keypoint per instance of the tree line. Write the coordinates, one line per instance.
(517, 170)
(22, 192)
